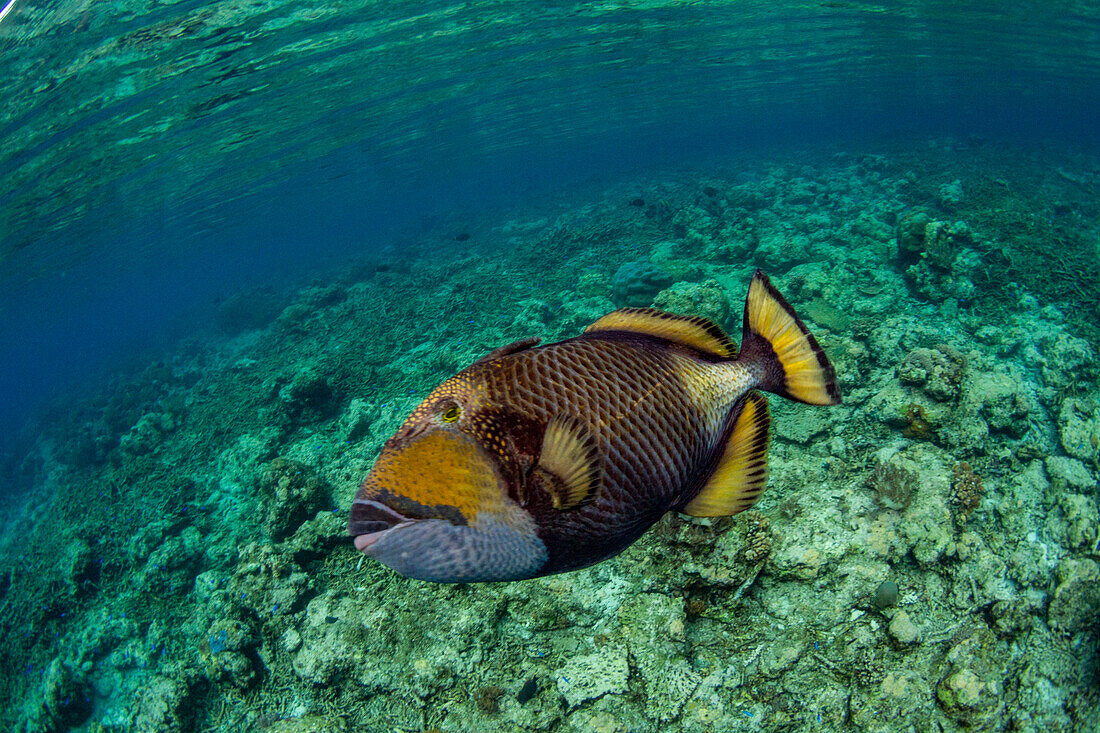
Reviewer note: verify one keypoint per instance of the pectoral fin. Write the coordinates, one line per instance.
(742, 471)
(568, 468)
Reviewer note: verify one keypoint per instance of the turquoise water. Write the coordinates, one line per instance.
(240, 242)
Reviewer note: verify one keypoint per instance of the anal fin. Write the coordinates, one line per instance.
(742, 470)
(568, 468)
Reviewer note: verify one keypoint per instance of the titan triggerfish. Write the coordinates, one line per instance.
(542, 459)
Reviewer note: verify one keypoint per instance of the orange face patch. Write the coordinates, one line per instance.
(440, 468)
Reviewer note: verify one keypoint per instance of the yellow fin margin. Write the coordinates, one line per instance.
(742, 471)
(808, 375)
(695, 332)
(569, 464)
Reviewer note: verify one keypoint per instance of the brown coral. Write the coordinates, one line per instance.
(894, 484)
(917, 424)
(488, 699)
(758, 540)
(967, 491)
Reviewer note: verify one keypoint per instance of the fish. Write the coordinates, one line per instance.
(541, 459)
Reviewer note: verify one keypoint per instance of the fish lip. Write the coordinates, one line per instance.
(369, 516)
(371, 520)
(364, 541)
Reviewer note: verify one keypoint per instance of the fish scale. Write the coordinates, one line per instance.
(649, 447)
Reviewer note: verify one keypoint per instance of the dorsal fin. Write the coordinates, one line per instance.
(569, 463)
(512, 348)
(739, 478)
(695, 332)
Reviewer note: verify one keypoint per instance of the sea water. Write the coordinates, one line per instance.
(239, 242)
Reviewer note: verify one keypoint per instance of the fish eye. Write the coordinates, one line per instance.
(452, 413)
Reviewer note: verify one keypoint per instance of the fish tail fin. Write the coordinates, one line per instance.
(794, 364)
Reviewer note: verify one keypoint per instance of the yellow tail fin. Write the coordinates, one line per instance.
(794, 364)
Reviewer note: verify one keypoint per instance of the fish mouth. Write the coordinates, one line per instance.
(370, 520)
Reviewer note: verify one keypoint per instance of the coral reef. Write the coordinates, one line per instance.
(941, 254)
(925, 555)
(707, 299)
(909, 235)
(938, 372)
(591, 676)
(293, 493)
(638, 283)
(488, 699)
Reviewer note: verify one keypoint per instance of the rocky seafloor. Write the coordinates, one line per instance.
(173, 555)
